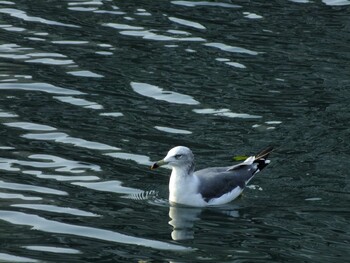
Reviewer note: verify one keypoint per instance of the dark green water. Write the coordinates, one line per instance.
(92, 92)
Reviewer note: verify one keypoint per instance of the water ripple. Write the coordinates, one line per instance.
(85, 73)
(59, 250)
(51, 61)
(50, 226)
(19, 196)
(123, 26)
(7, 115)
(31, 188)
(336, 2)
(186, 23)
(63, 178)
(7, 3)
(12, 28)
(229, 48)
(11, 258)
(226, 113)
(23, 16)
(148, 34)
(109, 186)
(204, 3)
(69, 42)
(30, 126)
(137, 31)
(48, 161)
(65, 138)
(138, 158)
(79, 102)
(251, 15)
(172, 130)
(43, 87)
(110, 114)
(56, 209)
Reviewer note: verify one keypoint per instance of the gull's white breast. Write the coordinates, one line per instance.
(183, 189)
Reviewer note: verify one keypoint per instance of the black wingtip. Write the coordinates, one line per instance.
(261, 157)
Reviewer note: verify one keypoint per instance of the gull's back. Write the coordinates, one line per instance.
(217, 181)
(227, 183)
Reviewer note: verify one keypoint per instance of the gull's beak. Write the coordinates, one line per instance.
(158, 164)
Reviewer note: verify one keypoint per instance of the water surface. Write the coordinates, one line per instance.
(91, 92)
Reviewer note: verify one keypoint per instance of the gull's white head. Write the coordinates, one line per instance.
(179, 156)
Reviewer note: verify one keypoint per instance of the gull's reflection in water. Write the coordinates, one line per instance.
(183, 218)
(182, 221)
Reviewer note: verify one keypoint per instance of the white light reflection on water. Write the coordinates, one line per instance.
(172, 130)
(186, 23)
(251, 15)
(30, 126)
(235, 64)
(23, 16)
(56, 209)
(137, 31)
(48, 161)
(229, 48)
(11, 258)
(7, 3)
(7, 115)
(336, 2)
(204, 3)
(12, 28)
(226, 113)
(85, 73)
(123, 26)
(65, 138)
(79, 102)
(148, 34)
(51, 61)
(43, 87)
(31, 188)
(59, 250)
(51, 226)
(96, 3)
(62, 178)
(59, 137)
(112, 114)
(19, 196)
(69, 42)
(157, 93)
(113, 186)
(138, 158)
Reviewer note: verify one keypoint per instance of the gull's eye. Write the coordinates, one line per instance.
(178, 156)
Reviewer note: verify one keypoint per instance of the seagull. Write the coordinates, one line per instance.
(211, 186)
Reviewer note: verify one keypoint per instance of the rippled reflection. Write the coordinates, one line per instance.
(51, 226)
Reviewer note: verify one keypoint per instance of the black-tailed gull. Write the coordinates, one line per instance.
(210, 186)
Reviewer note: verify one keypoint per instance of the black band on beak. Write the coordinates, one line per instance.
(154, 166)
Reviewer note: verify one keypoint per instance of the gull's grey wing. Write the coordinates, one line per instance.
(217, 181)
